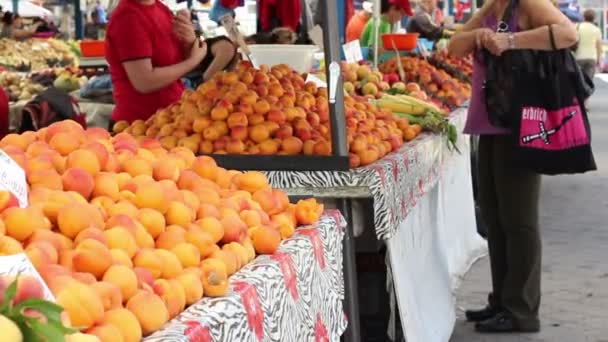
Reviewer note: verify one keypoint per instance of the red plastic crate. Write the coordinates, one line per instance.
(92, 48)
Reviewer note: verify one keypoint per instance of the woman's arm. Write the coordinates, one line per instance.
(25, 33)
(599, 47)
(145, 78)
(541, 14)
(470, 36)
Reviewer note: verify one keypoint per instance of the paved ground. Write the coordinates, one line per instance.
(574, 220)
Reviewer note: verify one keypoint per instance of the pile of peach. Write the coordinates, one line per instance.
(251, 111)
(127, 233)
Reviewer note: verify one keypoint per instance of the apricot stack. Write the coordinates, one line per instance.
(127, 233)
(261, 111)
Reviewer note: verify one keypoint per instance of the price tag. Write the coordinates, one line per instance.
(316, 80)
(19, 264)
(352, 51)
(12, 178)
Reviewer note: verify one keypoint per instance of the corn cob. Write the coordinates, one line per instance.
(398, 106)
(414, 101)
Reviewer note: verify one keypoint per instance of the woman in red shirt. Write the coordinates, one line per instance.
(149, 50)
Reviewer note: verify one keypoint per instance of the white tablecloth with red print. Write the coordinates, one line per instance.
(294, 295)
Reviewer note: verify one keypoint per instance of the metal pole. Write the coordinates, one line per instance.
(351, 294)
(15, 6)
(78, 20)
(376, 17)
(331, 44)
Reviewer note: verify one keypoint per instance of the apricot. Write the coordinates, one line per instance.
(259, 133)
(148, 259)
(251, 181)
(150, 311)
(126, 322)
(265, 240)
(8, 200)
(123, 207)
(106, 333)
(214, 277)
(142, 238)
(20, 223)
(231, 260)
(240, 251)
(120, 257)
(85, 160)
(169, 239)
(76, 179)
(109, 293)
(41, 253)
(152, 220)
(75, 217)
(179, 214)
(91, 256)
(151, 196)
(64, 143)
(201, 239)
(106, 184)
(187, 253)
(82, 304)
(172, 294)
(213, 227)
(48, 178)
(170, 264)
(192, 285)
(308, 211)
(137, 166)
(123, 277)
(120, 238)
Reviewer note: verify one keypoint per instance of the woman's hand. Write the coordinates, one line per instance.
(481, 35)
(183, 28)
(198, 51)
(496, 43)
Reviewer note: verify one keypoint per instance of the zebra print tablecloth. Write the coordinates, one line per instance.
(294, 295)
(396, 182)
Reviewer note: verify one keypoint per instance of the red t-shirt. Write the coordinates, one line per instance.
(138, 31)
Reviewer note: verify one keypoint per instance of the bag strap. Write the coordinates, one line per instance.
(552, 38)
(503, 25)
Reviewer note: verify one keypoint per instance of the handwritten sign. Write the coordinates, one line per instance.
(19, 264)
(316, 80)
(12, 178)
(352, 51)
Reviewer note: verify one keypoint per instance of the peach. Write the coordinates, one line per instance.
(20, 223)
(120, 257)
(91, 256)
(41, 253)
(213, 227)
(202, 240)
(106, 184)
(126, 322)
(123, 277)
(109, 293)
(150, 311)
(120, 238)
(106, 333)
(76, 179)
(266, 240)
(192, 285)
(82, 304)
(170, 264)
(187, 253)
(152, 220)
(148, 259)
(75, 217)
(214, 277)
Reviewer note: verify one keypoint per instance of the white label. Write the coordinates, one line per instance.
(19, 264)
(316, 80)
(12, 178)
(316, 35)
(352, 51)
(334, 75)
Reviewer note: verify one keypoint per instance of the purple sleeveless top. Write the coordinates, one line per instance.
(478, 122)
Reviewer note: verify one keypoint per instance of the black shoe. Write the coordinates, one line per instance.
(481, 315)
(504, 322)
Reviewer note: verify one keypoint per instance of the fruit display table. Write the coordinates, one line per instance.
(294, 295)
(416, 192)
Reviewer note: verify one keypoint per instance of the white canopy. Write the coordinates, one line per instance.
(26, 9)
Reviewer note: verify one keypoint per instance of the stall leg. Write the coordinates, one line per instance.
(351, 297)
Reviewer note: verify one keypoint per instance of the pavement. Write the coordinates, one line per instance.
(574, 217)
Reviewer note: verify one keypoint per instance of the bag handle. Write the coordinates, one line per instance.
(503, 25)
(552, 38)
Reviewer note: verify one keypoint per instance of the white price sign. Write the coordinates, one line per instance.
(12, 178)
(352, 51)
(20, 265)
